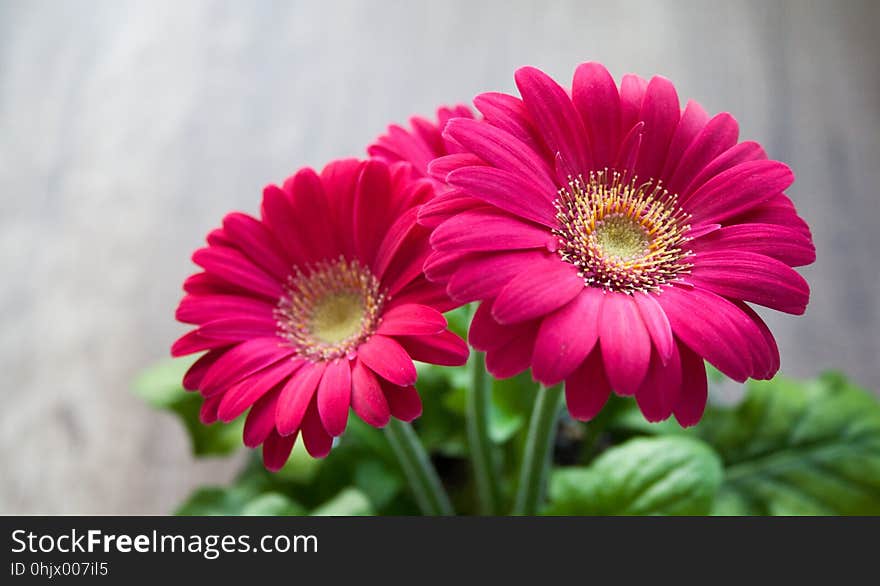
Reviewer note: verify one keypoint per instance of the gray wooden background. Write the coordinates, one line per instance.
(128, 128)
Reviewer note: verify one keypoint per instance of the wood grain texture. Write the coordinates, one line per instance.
(127, 129)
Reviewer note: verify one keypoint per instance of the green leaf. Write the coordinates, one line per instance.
(798, 448)
(238, 500)
(669, 475)
(349, 502)
(160, 386)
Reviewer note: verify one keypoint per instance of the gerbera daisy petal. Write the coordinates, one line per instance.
(660, 392)
(788, 245)
(260, 420)
(240, 397)
(445, 348)
(719, 135)
(555, 117)
(625, 343)
(513, 356)
(367, 398)
(694, 389)
(743, 152)
(411, 319)
(296, 396)
(243, 360)
(276, 450)
(656, 323)
(510, 115)
(567, 336)
(388, 359)
(587, 389)
(752, 277)
(483, 276)
(503, 151)
(498, 231)
(660, 112)
(596, 98)
(254, 239)
(233, 267)
(371, 201)
(494, 186)
(547, 287)
(403, 402)
(693, 121)
(632, 93)
(315, 438)
(199, 309)
(736, 190)
(334, 396)
(239, 328)
(196, 373)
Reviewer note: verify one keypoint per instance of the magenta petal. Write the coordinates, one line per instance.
(507, 191)
(404, 402)
(445, 348)
(444, 206)
(208, 411)
(276, 450)
(656, 323)
(549, 285)
(751, 277)
(719, 135)
(660, 392)
(239, 328)
(393, 240)
(372, 200)
(260, 421)
(254, 238)
(736, 190)
(692, 122)
(587, 389)
(193, 342)
(198, 309)
(234, 268)
(509, 114)
(315, 438)
(743, 152)
(596, 98)
(440, 167)
(485, 333)
(566, 336)
(555, 117)
(694, 388)
(488, 229)
(632, 93)
(765, 356)
(440, 266)
(625, 343)
(411, 319)
(296, 396)
(513, 356)
(240, 397)
(660, 113)
(192, 380)
(388, 359)
(241, 361)
(277, 213)
(788, 245)
(367, 398)
(481, 277)
(704, 322)
(504, 151)
(334, 396)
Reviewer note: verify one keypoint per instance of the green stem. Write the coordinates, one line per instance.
(420, 473)
(479, 396)
(535, 462)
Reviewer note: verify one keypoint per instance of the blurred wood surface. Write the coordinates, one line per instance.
(127, 129)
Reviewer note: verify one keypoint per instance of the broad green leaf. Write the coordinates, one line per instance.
(669, 475)
(349, 502)
(160, 386)
(238, 500)
(798, 448)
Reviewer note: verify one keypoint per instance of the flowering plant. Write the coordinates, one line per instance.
(596, 244)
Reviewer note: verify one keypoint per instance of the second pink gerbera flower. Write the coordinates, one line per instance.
(318, 306)
(615, 240)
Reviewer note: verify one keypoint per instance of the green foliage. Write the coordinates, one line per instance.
(798, 448)
(160, 387)
(645, 476)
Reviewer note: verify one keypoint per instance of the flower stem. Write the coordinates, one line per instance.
(479, 396)
(535, 462)
(420, 473)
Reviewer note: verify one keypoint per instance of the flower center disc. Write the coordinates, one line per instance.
(622, 236)
(329, 309)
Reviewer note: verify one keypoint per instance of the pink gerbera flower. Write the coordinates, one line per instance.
(616, 241)
(318, 306)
